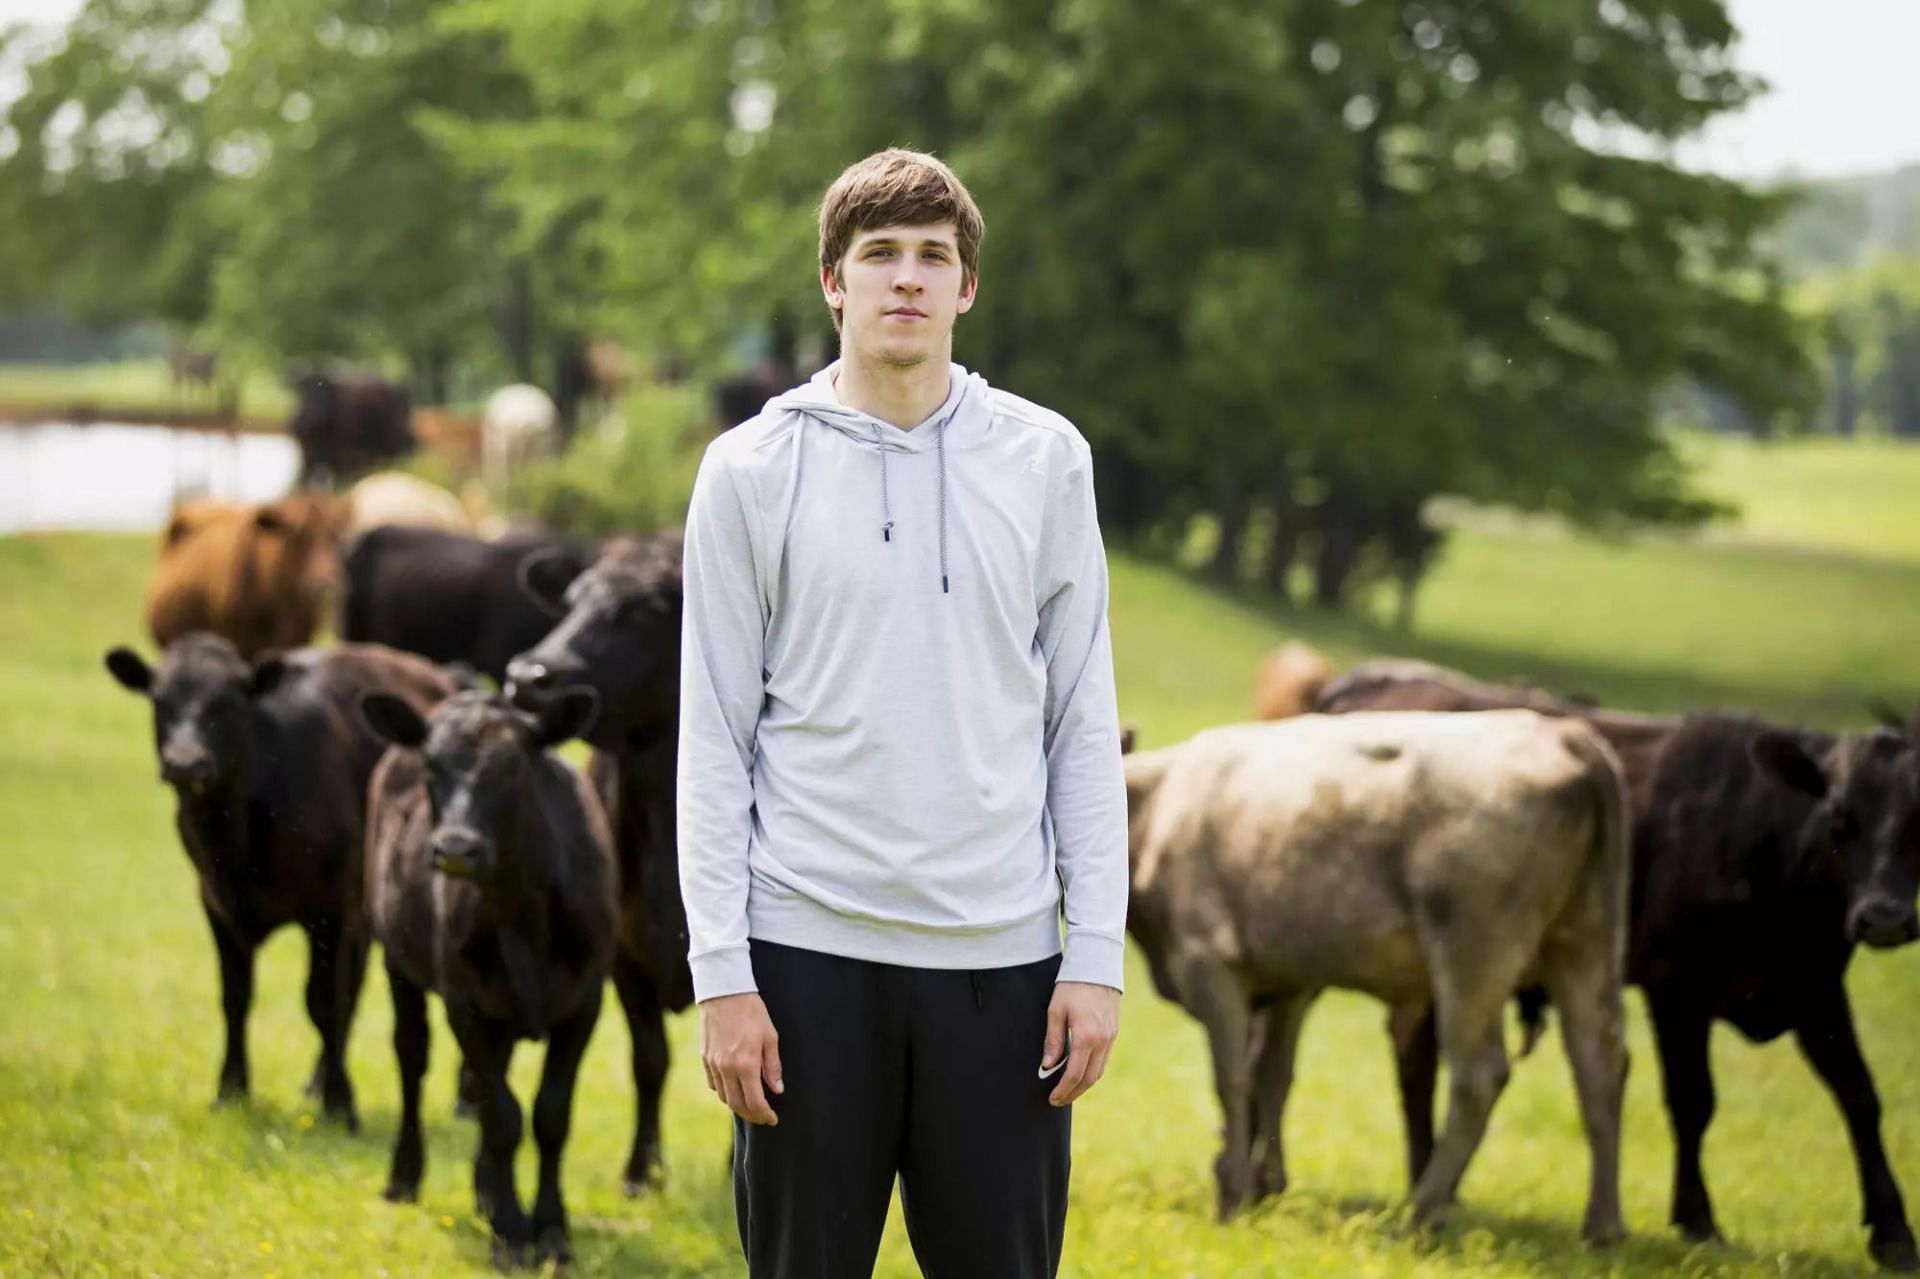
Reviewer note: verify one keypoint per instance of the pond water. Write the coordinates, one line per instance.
(124, 476)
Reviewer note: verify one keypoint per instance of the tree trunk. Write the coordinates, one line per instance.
(1285, 547)
(1230, 513)
(514, 317)
(1341, 521)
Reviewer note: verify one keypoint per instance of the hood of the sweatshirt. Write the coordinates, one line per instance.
(965, 418)
(966, 414)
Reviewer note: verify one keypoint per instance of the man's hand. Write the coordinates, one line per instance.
(740, 1051)
(1092, 1014)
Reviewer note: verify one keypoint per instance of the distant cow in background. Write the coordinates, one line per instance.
(394, 497)
(1289, 680)
(255, 574)
(449, 597)
(520, 423)
(348, 423)
(737, 398)
(269, 763)
(1433, 861)
(192, 370)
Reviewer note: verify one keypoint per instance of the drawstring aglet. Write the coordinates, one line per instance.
(886, 531)
(943, 583)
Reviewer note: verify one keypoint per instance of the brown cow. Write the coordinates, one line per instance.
(1429, 860)
(1289, 681)
(257, 575)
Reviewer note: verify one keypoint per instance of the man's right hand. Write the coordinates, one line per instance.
(741, 1052)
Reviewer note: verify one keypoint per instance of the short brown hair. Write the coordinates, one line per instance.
(896, 187)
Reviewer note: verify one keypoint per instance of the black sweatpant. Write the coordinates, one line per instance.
(928, 1074)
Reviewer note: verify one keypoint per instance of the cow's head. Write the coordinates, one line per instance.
(619, 633)
(480, 758)
(203, 698)
(293, 543)
(1868, 818)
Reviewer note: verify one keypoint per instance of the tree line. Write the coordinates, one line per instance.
(1295, 266)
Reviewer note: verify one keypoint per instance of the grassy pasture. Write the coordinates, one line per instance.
(111, 1162)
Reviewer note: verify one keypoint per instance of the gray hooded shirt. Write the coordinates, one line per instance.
(898, 737)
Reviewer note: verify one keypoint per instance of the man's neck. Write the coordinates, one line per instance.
(905, 397)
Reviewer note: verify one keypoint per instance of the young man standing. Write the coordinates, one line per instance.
(899, 760)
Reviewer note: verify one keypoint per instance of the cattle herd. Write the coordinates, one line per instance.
(1444, 845)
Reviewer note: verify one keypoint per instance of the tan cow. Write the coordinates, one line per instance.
(1288, 681)
(1428, 860)
(256, 574)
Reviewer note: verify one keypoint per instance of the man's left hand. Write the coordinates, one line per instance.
(1092, 1014)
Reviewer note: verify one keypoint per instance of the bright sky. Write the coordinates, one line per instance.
(1845, 98)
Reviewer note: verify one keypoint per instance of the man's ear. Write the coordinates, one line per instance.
(831, 287)
(967, 292)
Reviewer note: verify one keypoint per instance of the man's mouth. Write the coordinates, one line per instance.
(907, 313)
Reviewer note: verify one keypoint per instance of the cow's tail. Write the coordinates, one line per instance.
(1612, 853)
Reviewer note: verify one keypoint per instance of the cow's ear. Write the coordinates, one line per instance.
(177, 529)
(566, 716)
(392, 719)
(545, 576)
(268, 670)
(1780, 756)
(130, 669)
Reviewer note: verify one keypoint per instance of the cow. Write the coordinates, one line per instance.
(490, 880)
(1765, 856)
(450, 597)
(257, 574)
(395, 497)
(621, 637)
(1433, 861)
(1288, 681)
(269, 764)
(519, 424)
(348, 423)
(1737, 914)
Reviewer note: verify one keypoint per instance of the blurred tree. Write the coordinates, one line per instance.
(1297, 267)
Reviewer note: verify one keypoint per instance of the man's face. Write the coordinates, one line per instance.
(898, 291)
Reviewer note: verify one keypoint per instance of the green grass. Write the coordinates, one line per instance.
(129, 384)
(112, 1164)
(1859, 496)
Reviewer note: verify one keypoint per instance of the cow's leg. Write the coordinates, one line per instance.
(236, 997)
(1474, 970)
(1272, 1080)
(646, 1022)
(1585, 985)
(1416, 1059)
(351, 974)
(1680, 1029)
(552, 1115)
(488, 1044)
(411, 1043)
(1826, 1036)
(1217, 1000)
(328, 969)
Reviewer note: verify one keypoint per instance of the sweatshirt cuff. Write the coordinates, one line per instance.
(1091, 957)
(728, 971)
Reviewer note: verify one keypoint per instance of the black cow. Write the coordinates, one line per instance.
(621, 637)
(490, 880)
(1747, 901)
(269, 763)
(1764, 857)
(347, 424)
(449, 597)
